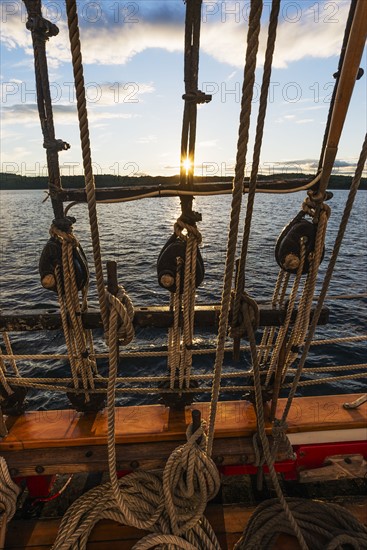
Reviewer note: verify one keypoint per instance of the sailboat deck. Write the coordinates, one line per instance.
(146, 435)
(228, 522)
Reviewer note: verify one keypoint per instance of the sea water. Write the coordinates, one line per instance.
(133, 234)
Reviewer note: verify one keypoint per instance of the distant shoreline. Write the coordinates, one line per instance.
(18, 182)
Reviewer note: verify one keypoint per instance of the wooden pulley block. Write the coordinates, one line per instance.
(174, 249)
(289, 244)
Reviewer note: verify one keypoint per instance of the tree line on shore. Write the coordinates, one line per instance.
(16, 181)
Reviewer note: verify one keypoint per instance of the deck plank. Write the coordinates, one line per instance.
(39, 535)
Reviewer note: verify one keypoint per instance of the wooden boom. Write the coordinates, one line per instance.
(206, 316)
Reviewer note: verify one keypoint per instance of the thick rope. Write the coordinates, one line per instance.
(9, 492)
(324, 526)
(242, 144)
(86, 153)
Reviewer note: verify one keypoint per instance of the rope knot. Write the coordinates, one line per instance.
(56, 145)
(40, 25)
(279, 433)
(121, 326)
(64, 236)
(197, 96)
(248, 310)
(198, 436)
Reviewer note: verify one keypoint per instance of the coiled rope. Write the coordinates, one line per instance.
(9, 492)
(323, 526)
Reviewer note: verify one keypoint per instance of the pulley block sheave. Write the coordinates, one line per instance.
(51, 257)
(288, 248)
(168, 264)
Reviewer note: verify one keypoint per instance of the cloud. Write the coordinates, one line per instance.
(27, 114)
(113, 38)
(208, 143)
(304, 121)
(147, 139)
(309, 166)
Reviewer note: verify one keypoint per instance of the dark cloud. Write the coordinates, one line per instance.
(21, 110)
(124, 14)
(314, 163)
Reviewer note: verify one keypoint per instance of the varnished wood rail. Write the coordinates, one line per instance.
(46, 442)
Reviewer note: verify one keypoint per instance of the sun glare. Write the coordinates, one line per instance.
(187, 164)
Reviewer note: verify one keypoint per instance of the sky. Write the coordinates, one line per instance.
(133, 64)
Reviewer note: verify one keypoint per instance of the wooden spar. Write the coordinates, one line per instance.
(343, 96)
(132, 192)
(206, 316)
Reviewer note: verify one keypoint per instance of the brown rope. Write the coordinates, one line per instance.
(243, 136)
(329, 272)
(272, 33)
(86, 153)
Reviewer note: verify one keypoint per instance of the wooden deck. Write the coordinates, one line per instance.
(228, 522)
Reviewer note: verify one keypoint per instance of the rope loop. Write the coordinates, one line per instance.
(40, 25)
(9, 492)
(63, 237)
(124, 308)
(314, 204)
(190, 479)
(180, 226)
(248, 309)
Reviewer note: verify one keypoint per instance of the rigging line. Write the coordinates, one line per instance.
(200, 377)
(41, 30)
(242, 144)
(74, 36)
(191, 70)
(240, 283)
(328, 275)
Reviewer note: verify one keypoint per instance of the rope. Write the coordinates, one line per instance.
(192, 97)
(329, 272)
(10, 354)
(81, 362)
(86, 153)
(240, 284)
(42, 30)
(170, 504)
(268, 454)
(323, 526)
(48, 383)
(164, 353)
(9, 492)
(243, 136)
